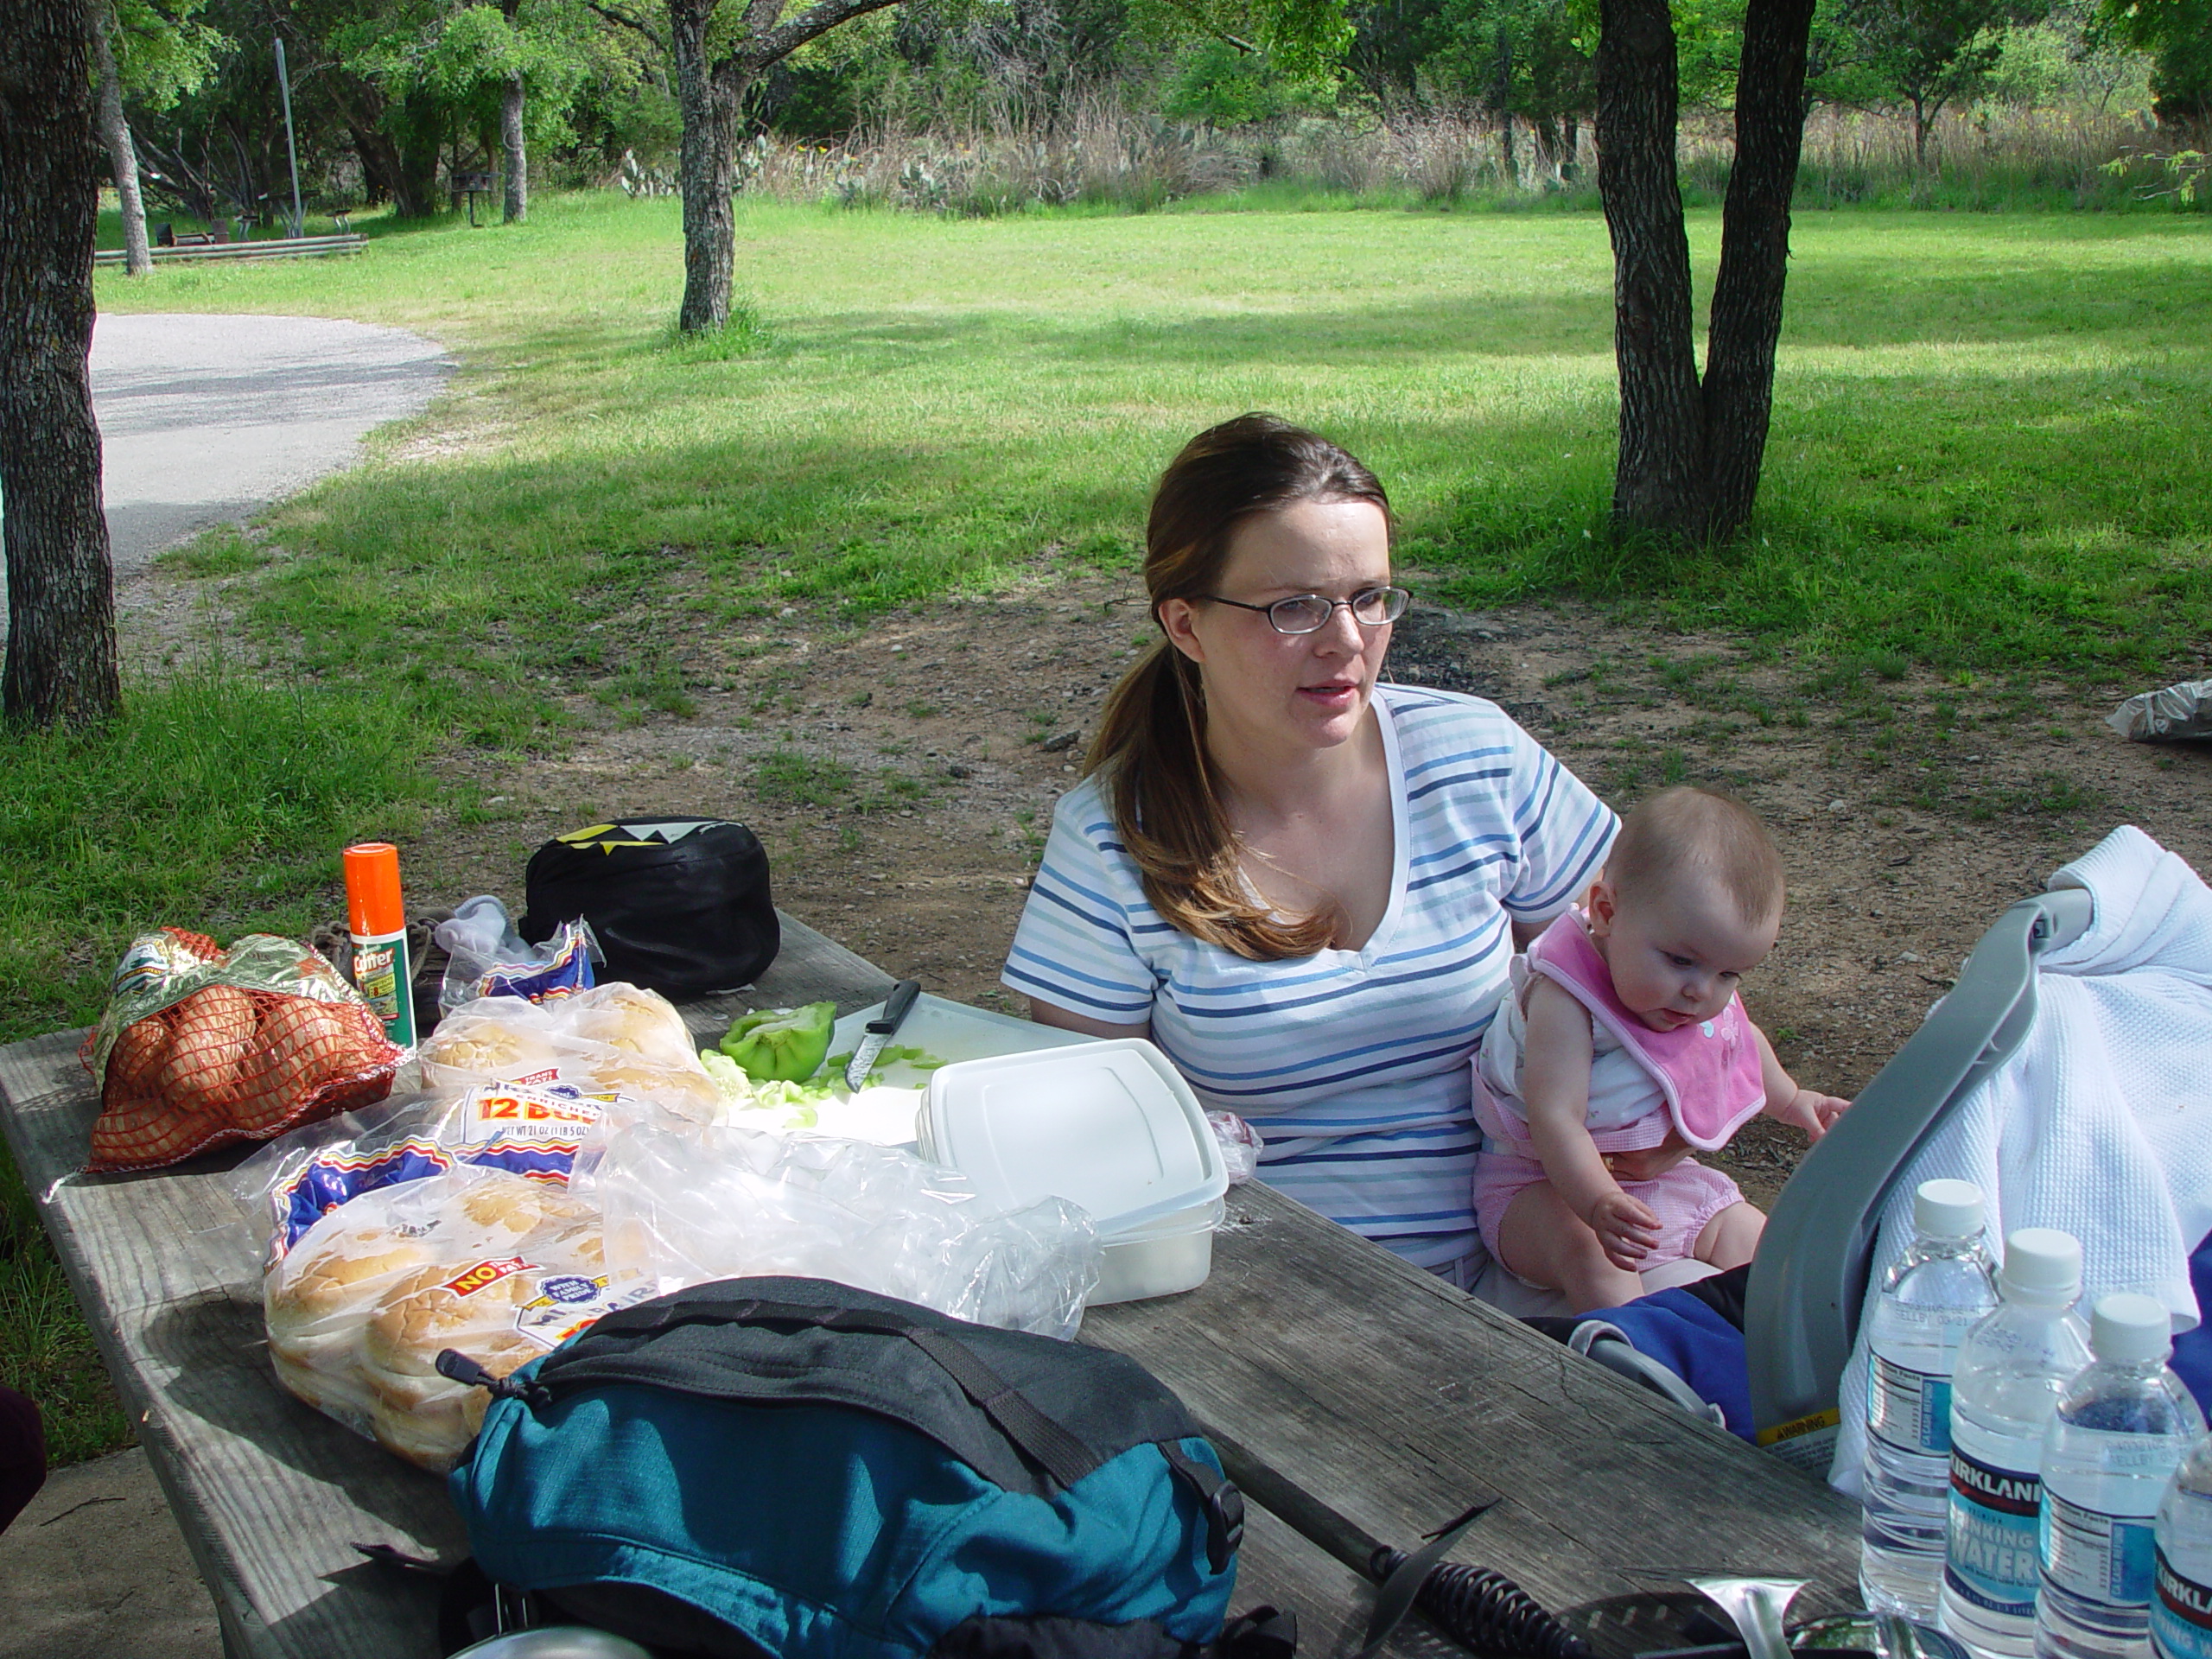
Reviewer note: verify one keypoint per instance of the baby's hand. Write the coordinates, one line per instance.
(1812, 1111)
(1627, 1230)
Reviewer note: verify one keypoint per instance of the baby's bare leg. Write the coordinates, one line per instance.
(1729, 1239)
(1544, 1241)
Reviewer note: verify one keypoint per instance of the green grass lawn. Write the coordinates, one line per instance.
(1990, 453)
(1988, 446)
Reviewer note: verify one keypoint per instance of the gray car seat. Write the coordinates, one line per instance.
(1801, 1304)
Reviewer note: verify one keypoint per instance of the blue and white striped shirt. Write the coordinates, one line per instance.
(1353, 1063)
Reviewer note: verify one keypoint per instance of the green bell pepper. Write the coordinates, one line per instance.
(781, 1045)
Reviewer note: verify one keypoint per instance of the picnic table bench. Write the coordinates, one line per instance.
(287, 247)
(1354, 1398)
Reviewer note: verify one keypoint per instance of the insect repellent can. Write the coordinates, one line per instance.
(379, 923)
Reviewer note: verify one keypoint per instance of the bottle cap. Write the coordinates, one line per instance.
(372, 904)
(1947, 1209)
(2129, 1328)
(2041, 1265)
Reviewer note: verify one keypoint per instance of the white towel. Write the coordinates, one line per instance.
(2100, 1123)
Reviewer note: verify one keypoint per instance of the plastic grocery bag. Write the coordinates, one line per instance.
(2167, 716)
(685, 1203)
(485, 956)
(200, 1046)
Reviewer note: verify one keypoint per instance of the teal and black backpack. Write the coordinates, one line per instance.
(792, 1467)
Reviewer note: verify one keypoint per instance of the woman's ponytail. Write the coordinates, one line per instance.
(1150, 752)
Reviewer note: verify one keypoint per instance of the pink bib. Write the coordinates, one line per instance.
(1709, 1072)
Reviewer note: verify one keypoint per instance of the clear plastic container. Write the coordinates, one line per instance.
(2181, 1586)
(1110, 1126)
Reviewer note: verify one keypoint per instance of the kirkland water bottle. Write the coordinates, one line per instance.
(2180, 1584)
(2120, 1429)
(2011, 1370)
(1930, 1296)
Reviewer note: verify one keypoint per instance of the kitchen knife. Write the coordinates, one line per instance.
(879, 1031)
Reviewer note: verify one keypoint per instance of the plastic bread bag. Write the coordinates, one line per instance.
(200, 1047)
(614, 1038)
(485, 956)
(685, 1203)
(496, 1265)
(291, 1185)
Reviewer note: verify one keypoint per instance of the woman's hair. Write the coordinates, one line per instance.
(1686, 831)
(1151, 745)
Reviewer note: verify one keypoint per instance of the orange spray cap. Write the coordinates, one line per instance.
(372, 904)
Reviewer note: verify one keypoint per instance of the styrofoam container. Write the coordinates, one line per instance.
(1110, 1126)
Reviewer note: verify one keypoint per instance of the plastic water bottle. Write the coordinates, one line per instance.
(2121, 1428)
(2181, 1583)
(2012, 1368)
(1930, 1296)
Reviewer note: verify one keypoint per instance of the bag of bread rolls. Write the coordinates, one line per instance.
(200, 1047)
(613, 1039)
(361, 1306)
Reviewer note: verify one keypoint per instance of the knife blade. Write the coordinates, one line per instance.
(879, 1031)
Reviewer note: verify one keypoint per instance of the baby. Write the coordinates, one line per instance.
(1624, 1046)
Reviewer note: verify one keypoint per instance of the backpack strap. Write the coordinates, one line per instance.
(1218, 1496)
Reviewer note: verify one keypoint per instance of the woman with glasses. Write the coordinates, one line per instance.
(1306, 888)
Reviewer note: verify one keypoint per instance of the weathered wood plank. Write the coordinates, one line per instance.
(810, 968)
(1394, 1400)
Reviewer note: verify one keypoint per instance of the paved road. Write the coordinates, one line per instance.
(204, 419)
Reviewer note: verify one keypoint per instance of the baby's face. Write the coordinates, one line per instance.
(1675, 956)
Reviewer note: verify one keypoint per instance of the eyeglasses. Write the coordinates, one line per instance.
(1310, 613)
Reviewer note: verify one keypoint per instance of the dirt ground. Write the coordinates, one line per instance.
(903, 773)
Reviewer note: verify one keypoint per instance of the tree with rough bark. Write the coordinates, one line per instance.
(61, 657)
(152, 52)
(721, 47)
(115, 133)
(1691, 446)
(514, 168)
(720, 50)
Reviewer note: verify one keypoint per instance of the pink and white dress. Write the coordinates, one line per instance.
(1703, 1080)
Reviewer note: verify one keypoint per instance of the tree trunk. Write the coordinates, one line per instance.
(61, 660)
(1658, 475)
(1919, 134)
(710, 94)
(515, 165)
(1754, 258)
(516, 170)
(115, 132)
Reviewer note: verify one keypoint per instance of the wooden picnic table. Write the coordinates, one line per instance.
(1352, 1396)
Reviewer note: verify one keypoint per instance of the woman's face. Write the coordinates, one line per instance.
(1304, 691)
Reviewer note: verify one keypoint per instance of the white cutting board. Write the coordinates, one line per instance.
(943, 1029)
